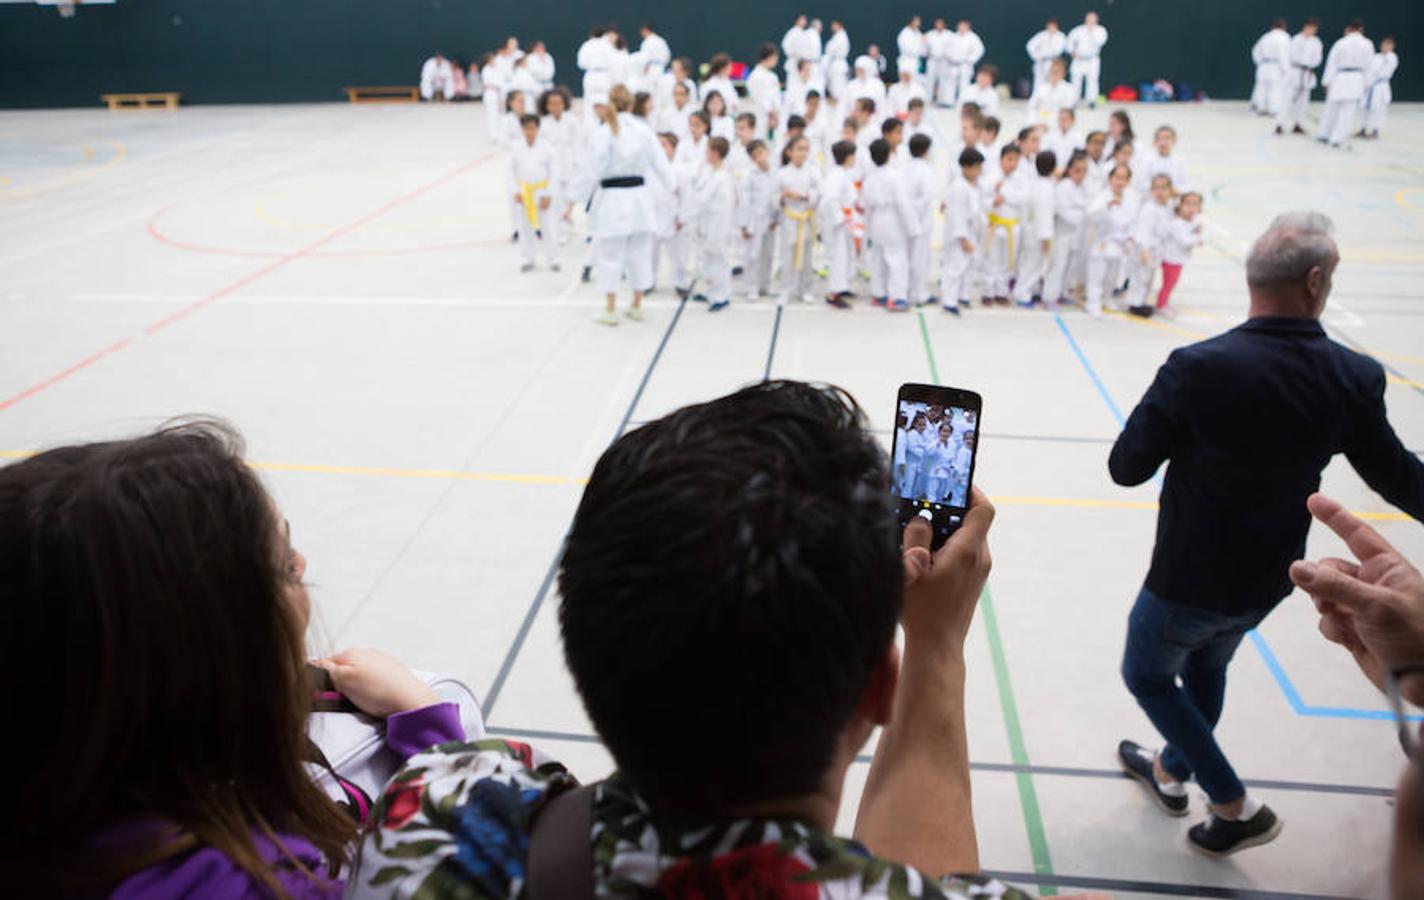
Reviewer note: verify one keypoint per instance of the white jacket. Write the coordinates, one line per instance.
(633, 152)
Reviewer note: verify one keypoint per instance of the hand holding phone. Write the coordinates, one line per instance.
(934, 455)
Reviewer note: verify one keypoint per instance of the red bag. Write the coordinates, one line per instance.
(1122, 93)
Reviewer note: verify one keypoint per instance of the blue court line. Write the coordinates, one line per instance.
(1293, 698)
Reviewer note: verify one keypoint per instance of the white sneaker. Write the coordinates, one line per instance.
(606, 318)
(635, 313)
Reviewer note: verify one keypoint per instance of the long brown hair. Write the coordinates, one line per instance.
(149, 643)
(619, 100)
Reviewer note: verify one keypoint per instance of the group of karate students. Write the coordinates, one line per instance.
(1356, 80)
(934, 452)
(803, 179)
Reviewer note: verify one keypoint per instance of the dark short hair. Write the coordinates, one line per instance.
(732, 570)
(866, 104)
(1311, 20)
(813, 94)
(842, 151)
(891, 124)
(1045, 162)
(668, 136)
(528, 119)
(880, 151)
(755, 145)
(992, 123)
(915, 103)
(919, 145)
(795, 122)
(1010, 149)
(1025, 134)
(970, 157)
(746, 118)
(701, 115)
(719, 146)
(766, 51)
(991, 70)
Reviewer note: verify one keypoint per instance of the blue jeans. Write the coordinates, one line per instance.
(1167, 642)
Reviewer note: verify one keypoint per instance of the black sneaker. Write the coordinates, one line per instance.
(1223, 837)
(1136, 761)
(586, 275)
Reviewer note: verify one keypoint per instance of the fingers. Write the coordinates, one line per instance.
(975, 528)
(1362, 540)
(1343, 566)
(1330, 585)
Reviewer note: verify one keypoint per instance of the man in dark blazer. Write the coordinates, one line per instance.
(1247, 420)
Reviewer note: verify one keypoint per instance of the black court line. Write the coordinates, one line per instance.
(771, 351)
(1154, 887)
(1309, 787)
(508, 664)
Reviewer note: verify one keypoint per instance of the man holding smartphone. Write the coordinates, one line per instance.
(1247, 420)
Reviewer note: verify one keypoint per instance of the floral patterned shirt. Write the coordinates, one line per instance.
(455, 824)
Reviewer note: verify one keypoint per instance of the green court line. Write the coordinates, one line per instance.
(1018, 751)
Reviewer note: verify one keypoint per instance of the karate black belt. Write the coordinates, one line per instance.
(1349, 69)
(622, 181)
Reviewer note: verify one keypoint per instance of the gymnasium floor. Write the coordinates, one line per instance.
(338, 282)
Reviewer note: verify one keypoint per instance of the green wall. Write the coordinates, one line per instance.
(253, 51)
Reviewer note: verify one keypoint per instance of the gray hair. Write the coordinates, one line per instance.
(1295, 243)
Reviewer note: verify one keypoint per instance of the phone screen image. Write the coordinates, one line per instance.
(933, 456)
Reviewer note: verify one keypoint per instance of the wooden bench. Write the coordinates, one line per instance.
(167, 100)
(383, 94)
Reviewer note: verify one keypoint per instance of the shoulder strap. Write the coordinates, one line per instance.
(560, 863)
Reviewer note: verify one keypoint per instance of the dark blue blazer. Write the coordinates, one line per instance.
(1247, 421)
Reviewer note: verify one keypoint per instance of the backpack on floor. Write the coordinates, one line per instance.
(351, 762)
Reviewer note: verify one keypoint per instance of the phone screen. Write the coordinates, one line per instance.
(933, 455)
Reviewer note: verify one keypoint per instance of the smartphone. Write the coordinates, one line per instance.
(933, 455)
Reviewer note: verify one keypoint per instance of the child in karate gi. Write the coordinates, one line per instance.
(531, 171)
(756, 214)
(1036, 251)
(837, 216)
(1111, 217)
(963, 232)
(716, 207)
(1004, 198)
(983, 92)
(1071, 197)
(1147, 235)
(1182, 234)
(891, 220)
(798, 191)
(918, 176)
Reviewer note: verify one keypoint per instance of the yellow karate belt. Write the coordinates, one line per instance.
(803, 221)
(998, 221)
(527, 190)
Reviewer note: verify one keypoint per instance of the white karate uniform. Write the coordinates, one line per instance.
(917, 444)
(986, 97)
(1043, 48)
(532, 174)
(524, 81)
(1271, 56)
(1147, 236)
(900, 94)
(1066, 268)
(723, 86)
(918, 178)
(1003, 242)
(891, 220)
(756, 213)
(1179, 238)
(724, 127)
(541, 69)
(791, 44)
(1033, 261)
(492, 97)
(837, 64)
(763, 95)
(623, 220)
(965, 51)
(1378, 93)
(911, 44)
(942, 456)
(1062, 144)
(564, 136)
(940, 74)
(1345, 69)
(1110, 241)
(797, 226)
(437, 77)
(963, 218)
(714, 217)
(672, 119)
(595, 58)
(692, 154)
(1298, 80)
(675, 207)
(1048, 98)
(662, 93)
(835, 214)
(1149, 164)
(1098, 171)
(861, 86)
(1085, 45)
(655, 51)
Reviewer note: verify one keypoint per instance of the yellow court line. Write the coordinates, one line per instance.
(515, 478)
(81, 172)
(1160, 326)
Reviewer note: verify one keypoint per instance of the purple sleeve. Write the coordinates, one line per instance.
(417, 730)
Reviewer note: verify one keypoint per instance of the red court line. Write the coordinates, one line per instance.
(179, 315)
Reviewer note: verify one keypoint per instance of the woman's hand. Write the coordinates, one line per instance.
(376, 682)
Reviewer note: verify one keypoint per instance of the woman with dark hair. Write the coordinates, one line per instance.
(152, 614)
(1119, 131)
